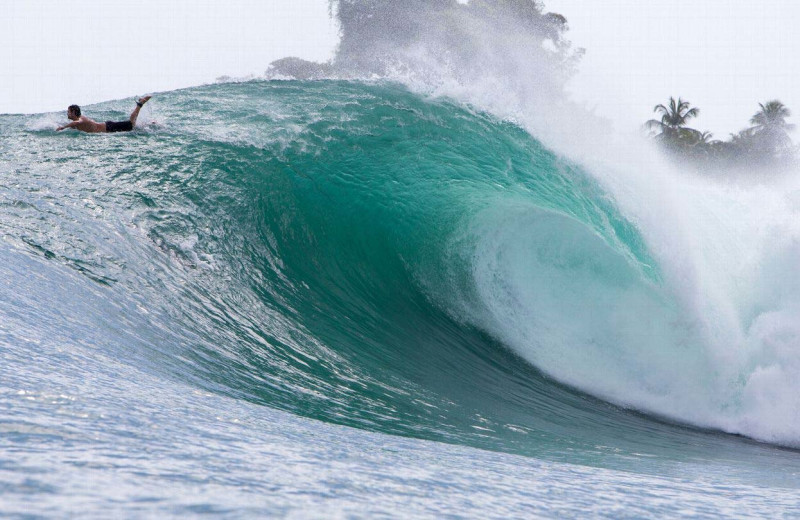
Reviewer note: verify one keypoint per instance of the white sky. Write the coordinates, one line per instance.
(57, 52)
(724, 56)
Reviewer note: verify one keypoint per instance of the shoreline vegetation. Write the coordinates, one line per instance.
(766, 143)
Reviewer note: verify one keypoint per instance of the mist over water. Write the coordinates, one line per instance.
(714, 340)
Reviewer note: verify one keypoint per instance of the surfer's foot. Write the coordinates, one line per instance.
(139, 105)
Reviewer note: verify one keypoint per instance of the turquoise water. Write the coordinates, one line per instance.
(275, 295)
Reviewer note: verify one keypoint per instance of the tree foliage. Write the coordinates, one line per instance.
(767, 141)
(674, 118)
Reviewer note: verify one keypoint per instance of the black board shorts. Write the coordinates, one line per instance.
(119, 126)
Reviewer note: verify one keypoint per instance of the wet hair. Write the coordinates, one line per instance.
(76, 109)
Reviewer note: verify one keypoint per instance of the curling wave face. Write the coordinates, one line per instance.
(362, 255)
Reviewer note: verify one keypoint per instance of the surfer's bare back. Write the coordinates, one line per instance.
(85, 124)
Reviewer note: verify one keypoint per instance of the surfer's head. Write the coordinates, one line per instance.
(73, 112)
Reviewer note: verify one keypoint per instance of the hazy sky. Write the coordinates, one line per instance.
(724, 56)
(57, 52)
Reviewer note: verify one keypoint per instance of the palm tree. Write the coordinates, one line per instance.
(703, 144)
(673, 118)
(774, 113)
(695, 138)
(770, 127)
(705, 138)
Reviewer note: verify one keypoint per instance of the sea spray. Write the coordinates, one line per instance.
(720, 348)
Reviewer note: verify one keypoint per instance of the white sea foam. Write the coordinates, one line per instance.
(717, 342)
(43, 123)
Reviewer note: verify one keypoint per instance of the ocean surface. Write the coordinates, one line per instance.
(329, 299)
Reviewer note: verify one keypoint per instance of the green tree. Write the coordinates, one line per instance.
(674, 118)
(770, 131)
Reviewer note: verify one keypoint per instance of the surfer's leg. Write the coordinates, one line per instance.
(139, 104)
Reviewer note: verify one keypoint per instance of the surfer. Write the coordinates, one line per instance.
(85, 124)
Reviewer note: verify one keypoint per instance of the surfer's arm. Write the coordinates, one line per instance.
(68, 125)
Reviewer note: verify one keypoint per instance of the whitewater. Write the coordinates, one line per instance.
(413, 282)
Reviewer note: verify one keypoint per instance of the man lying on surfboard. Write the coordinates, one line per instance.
(85, 124)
